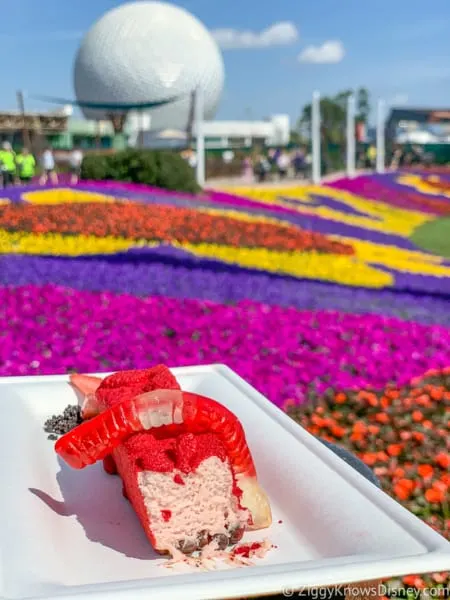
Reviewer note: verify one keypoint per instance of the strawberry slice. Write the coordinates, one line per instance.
(87, 385)
(95, 439)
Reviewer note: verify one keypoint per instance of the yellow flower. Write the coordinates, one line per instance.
(346, 270)
(242, 216)
(63, 245)
(65, 196)
(379, 216)
(422, 186)
(407, 261)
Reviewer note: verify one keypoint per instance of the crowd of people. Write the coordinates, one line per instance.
(21, 168)
(282, 163)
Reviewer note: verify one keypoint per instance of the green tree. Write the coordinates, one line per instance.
(333, 112)
(362, 105)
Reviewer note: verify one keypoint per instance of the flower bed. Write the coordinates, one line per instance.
(316, 295)
(287, 354)
(301, 234)
(402, 433)
(134, 221)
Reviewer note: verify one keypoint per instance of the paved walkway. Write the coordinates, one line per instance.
(243, 182)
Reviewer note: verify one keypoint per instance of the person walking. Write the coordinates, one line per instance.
(371, 157)
(8, 164)
(75, 162)
(262, 168)
(48, 167)
(283, 164)
(26, 166)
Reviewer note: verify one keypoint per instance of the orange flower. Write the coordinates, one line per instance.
(398, 472)
(370, 458)
(313, 430)
(384, 402)
(359, 427)
(372, 400)
(443, 460)
(425, 471)
(440, 486)
(337, 431)
(439, 577)
(373, 429)
(418, 436)
(340, 398)
(434, 496)
(382, 456)
(424, 400)
(417, 416)
(414, 581)
(403, 488)
(427, 424)
(446, 479)
(394, 449)
(382, 417)
(437, 393)
(318, 421)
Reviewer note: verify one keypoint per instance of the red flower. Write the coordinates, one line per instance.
(425, 471)
(394, 449)
(434, 496)
(404, 488)
(417, 416)
(443, 460)
(137, 221)
(414, 581)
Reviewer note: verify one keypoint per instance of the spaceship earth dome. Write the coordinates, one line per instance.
(144, 52)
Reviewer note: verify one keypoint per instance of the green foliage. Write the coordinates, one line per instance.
(333, 112)
(362, 105)
(163, 169)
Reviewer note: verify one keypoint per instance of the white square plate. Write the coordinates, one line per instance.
(64, 533)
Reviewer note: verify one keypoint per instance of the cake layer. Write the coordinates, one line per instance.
(182, 488)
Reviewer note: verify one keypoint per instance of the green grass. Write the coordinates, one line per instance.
(434, 237)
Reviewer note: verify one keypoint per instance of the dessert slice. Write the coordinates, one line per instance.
(183, 458)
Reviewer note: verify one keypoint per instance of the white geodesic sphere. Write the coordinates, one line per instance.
(145, 52)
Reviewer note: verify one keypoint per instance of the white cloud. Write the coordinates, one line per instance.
(399, 100)
(330, 52)
(283, 33)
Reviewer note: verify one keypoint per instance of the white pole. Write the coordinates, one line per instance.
(199, 136)
(351, 145)
(315, 138)
(380, 137)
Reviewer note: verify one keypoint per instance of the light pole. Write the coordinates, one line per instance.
(199, 136)
(315, 138)
(351, 146)
(380, 137)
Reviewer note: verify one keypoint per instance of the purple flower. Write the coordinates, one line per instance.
(284, 352)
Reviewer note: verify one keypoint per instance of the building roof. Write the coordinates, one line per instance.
(420, 115)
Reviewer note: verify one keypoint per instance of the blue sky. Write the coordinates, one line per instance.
(398, 49)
